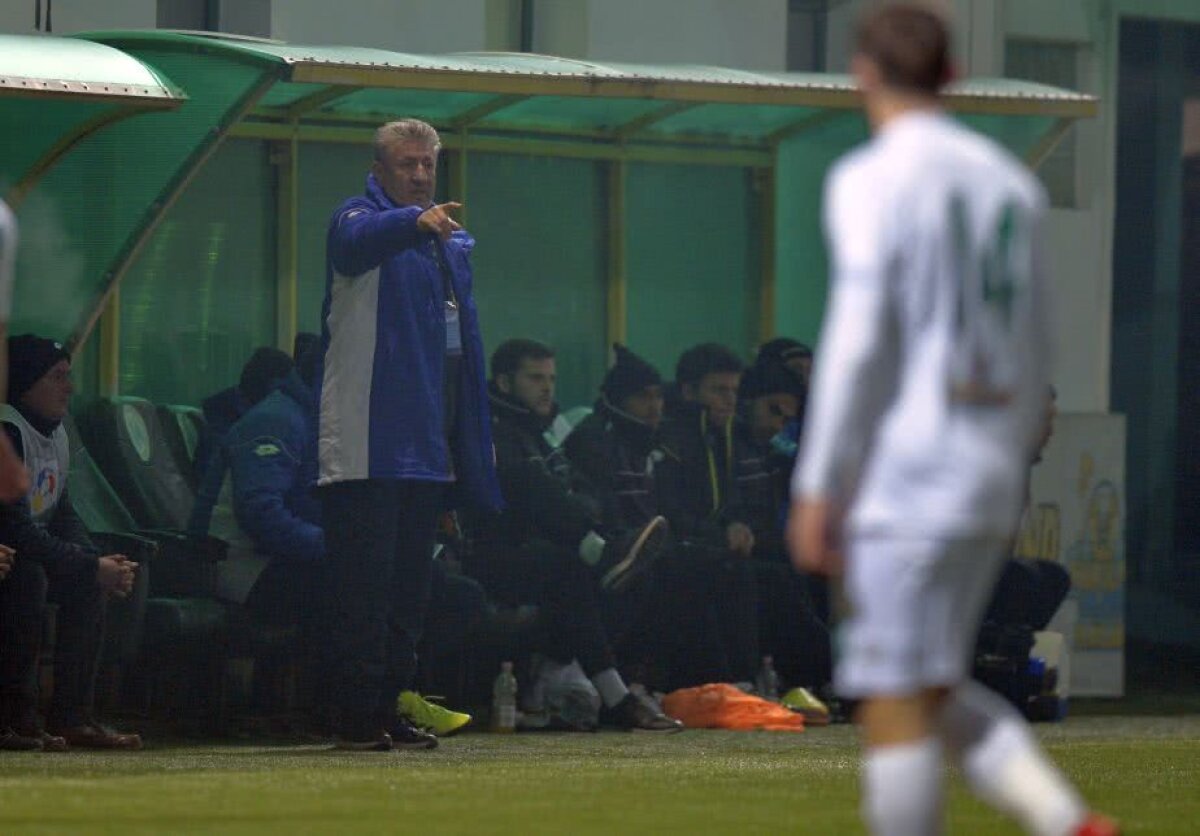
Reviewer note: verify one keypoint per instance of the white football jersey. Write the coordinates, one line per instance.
(931, 375)
(8, 259)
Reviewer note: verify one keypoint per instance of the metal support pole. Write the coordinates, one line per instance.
(286, 158)
(110, 346)
(458, 178)
(765, 184)
(618, 284)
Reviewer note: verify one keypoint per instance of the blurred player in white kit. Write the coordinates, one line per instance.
(926, 400)
(14, 480)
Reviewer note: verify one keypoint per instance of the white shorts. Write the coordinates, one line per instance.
(915, 607)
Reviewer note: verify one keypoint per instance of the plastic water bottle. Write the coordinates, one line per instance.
(767, 681)
(504, 700)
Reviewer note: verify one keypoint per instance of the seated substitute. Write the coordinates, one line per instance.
(1030, 590)
(700, 486)
(549, 546)
(793, 606)
(55, 561)
(272, 454)
(615, 452)
(263, 373)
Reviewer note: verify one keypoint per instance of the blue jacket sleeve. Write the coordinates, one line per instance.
(361, 236)
(265, 467)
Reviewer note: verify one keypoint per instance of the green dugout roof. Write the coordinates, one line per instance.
(55, 91)
(787, 124)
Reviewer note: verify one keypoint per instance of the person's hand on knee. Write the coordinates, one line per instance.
(115, 575)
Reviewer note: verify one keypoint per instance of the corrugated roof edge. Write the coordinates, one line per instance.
(305, 62)
(162, 92)
(236, 47)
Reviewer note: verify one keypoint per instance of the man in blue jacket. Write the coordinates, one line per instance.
(404, 424)
(272, 455)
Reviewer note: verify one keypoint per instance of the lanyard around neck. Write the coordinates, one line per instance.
(714, 477)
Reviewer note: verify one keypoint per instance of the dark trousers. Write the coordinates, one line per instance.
(293, 593)
(703, 626)
(380, 537)
(457, 605)
(794, 619)
(1028, 593)
(79, 632)
(288, 593)
(564, 590)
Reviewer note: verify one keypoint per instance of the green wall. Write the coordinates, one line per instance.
(693, 260)
(201, 297)
(540, 259)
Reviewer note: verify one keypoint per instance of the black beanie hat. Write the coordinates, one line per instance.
(782, 349)
(629, 375)
(263, 371)
(769, 378)
(29, 358)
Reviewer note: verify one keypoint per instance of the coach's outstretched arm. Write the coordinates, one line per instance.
(362, 236)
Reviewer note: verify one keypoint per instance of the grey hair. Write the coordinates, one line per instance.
(405, 130)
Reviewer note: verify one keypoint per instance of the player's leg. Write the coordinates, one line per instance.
(1004, 764)
(887, 582)
(902, 766)
(979, 730)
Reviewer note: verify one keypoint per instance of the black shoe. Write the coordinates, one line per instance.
(11, 741)
(641, 714)
(361, 736)
(407, 736)
(628, 558)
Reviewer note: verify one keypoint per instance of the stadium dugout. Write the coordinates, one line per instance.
(173, 190)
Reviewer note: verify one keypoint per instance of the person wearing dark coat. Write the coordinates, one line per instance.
(272, 453)
(550, 547)
(262, 374)
(793, 607)
(701, 479)
(55, 561)
(615, 451)
(404, 432)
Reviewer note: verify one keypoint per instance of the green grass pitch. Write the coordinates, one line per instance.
(1144, 770)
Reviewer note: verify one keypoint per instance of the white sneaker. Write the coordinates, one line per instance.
(570, 695)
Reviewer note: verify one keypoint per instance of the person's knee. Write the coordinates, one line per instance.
(906, 718)
(463, 597)
(26, 583)
(1055, 579)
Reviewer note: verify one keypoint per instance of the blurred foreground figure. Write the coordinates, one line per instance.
(926, 404)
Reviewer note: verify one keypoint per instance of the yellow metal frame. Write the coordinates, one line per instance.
(21, 189)
(766, 183)
(617, 316)
(166, 199)
(110, 346)
(458, 178)
(617, 134)
(1045, 147)
(651, 153)
(286, 157)
(316, 100)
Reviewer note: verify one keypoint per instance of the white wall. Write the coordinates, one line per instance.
(745, 34)
(16, 16)
(419, 26)
(1079, 240)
